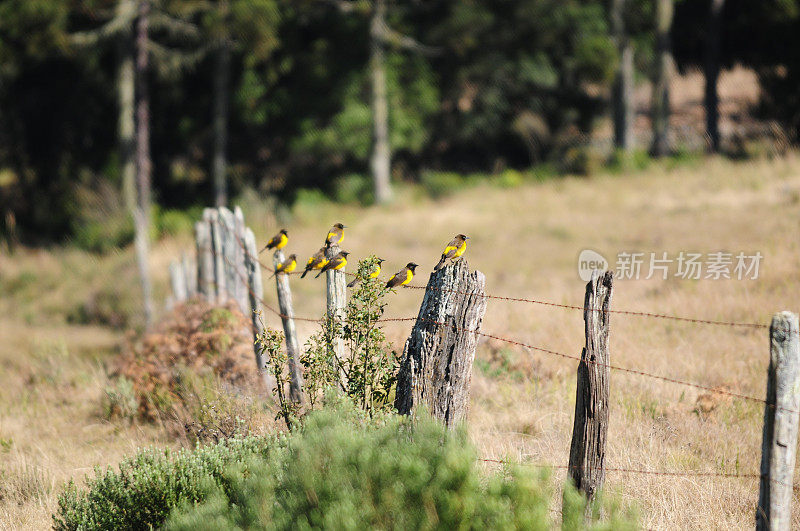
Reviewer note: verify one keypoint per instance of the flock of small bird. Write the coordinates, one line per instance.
(319, 262)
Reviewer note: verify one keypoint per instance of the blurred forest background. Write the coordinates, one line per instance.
(107, 103)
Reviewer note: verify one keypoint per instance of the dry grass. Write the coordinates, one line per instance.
(526, 241)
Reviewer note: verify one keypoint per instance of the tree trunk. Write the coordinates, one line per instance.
(143, 162)
(221, 83)
(380, 161)
(664, 66)
(623, 84)
(712, 66)
(126, 122)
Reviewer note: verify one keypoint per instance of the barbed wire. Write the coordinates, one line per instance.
(646, 472)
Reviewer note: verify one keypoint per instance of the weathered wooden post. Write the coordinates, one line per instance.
(255, 292)
(190, 274)
(217, 248)
(588, 449)
(177, 281)
(779, 441)
(289, 330)
(205, 258)
(230, 250)
(239, 267)
(337, 300)
(436, 367)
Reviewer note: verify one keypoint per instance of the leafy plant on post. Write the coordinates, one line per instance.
(367, 372)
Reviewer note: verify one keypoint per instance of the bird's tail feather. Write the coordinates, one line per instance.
(305, 273)
(353, 283)
(440, 264)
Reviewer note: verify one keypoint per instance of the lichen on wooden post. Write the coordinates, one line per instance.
(436, 366)
(779, 442)
(590, 428)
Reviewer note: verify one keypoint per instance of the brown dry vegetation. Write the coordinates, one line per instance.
(526, 240)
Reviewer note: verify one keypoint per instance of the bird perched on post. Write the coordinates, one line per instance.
(287, 266)
(402, 277)
(454, 249)
(335, 235)
(337, 262)
(278, 241)
(316, 261)
(376, 270)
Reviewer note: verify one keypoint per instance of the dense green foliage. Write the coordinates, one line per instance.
(510, 84)
(148, 486)
(340, 470)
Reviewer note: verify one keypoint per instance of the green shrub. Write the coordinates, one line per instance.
(150, 485)
(171, 222)
(103, 235)
(401, 475)
(440, 184)
(342, 469)
(120, 399)
(509, 178)
(353, 188)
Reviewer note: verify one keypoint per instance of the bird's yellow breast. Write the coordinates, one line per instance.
(409, 276)
(290, 267)
(282, 242)
(376, 272)
(334, 237)
(461, 249)
(341, 264)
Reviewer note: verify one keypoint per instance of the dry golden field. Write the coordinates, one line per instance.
(526, 240)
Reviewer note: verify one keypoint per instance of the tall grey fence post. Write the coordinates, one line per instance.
(190, 275)
(220, 288)
(255, 292)
(590, 428)
(336, 285)
(436, 367)
(779, 441)
(289, 330)
(177, 281)
(205, 258)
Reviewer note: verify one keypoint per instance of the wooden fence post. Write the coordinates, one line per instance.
(289, 330)
(779, 441)
(177, 280)
(436, 367)
(190, 275)
(205, 258)
(337, 300)
(588, 448)
(230, 249)
(220, 291)
(255, 292)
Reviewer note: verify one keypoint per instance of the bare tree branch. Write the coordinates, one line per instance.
(174, 27)
(122, 21)
(398, 40)
(170, 62)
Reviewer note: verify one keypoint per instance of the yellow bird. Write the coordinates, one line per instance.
(316, 261)
(454, 249)
(402, 277)
(287, 266)
(372, 274)
(335, 235)
(278, 241)
(335, 263)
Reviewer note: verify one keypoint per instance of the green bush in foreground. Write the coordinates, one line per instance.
(151, 484)
(339, 470)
